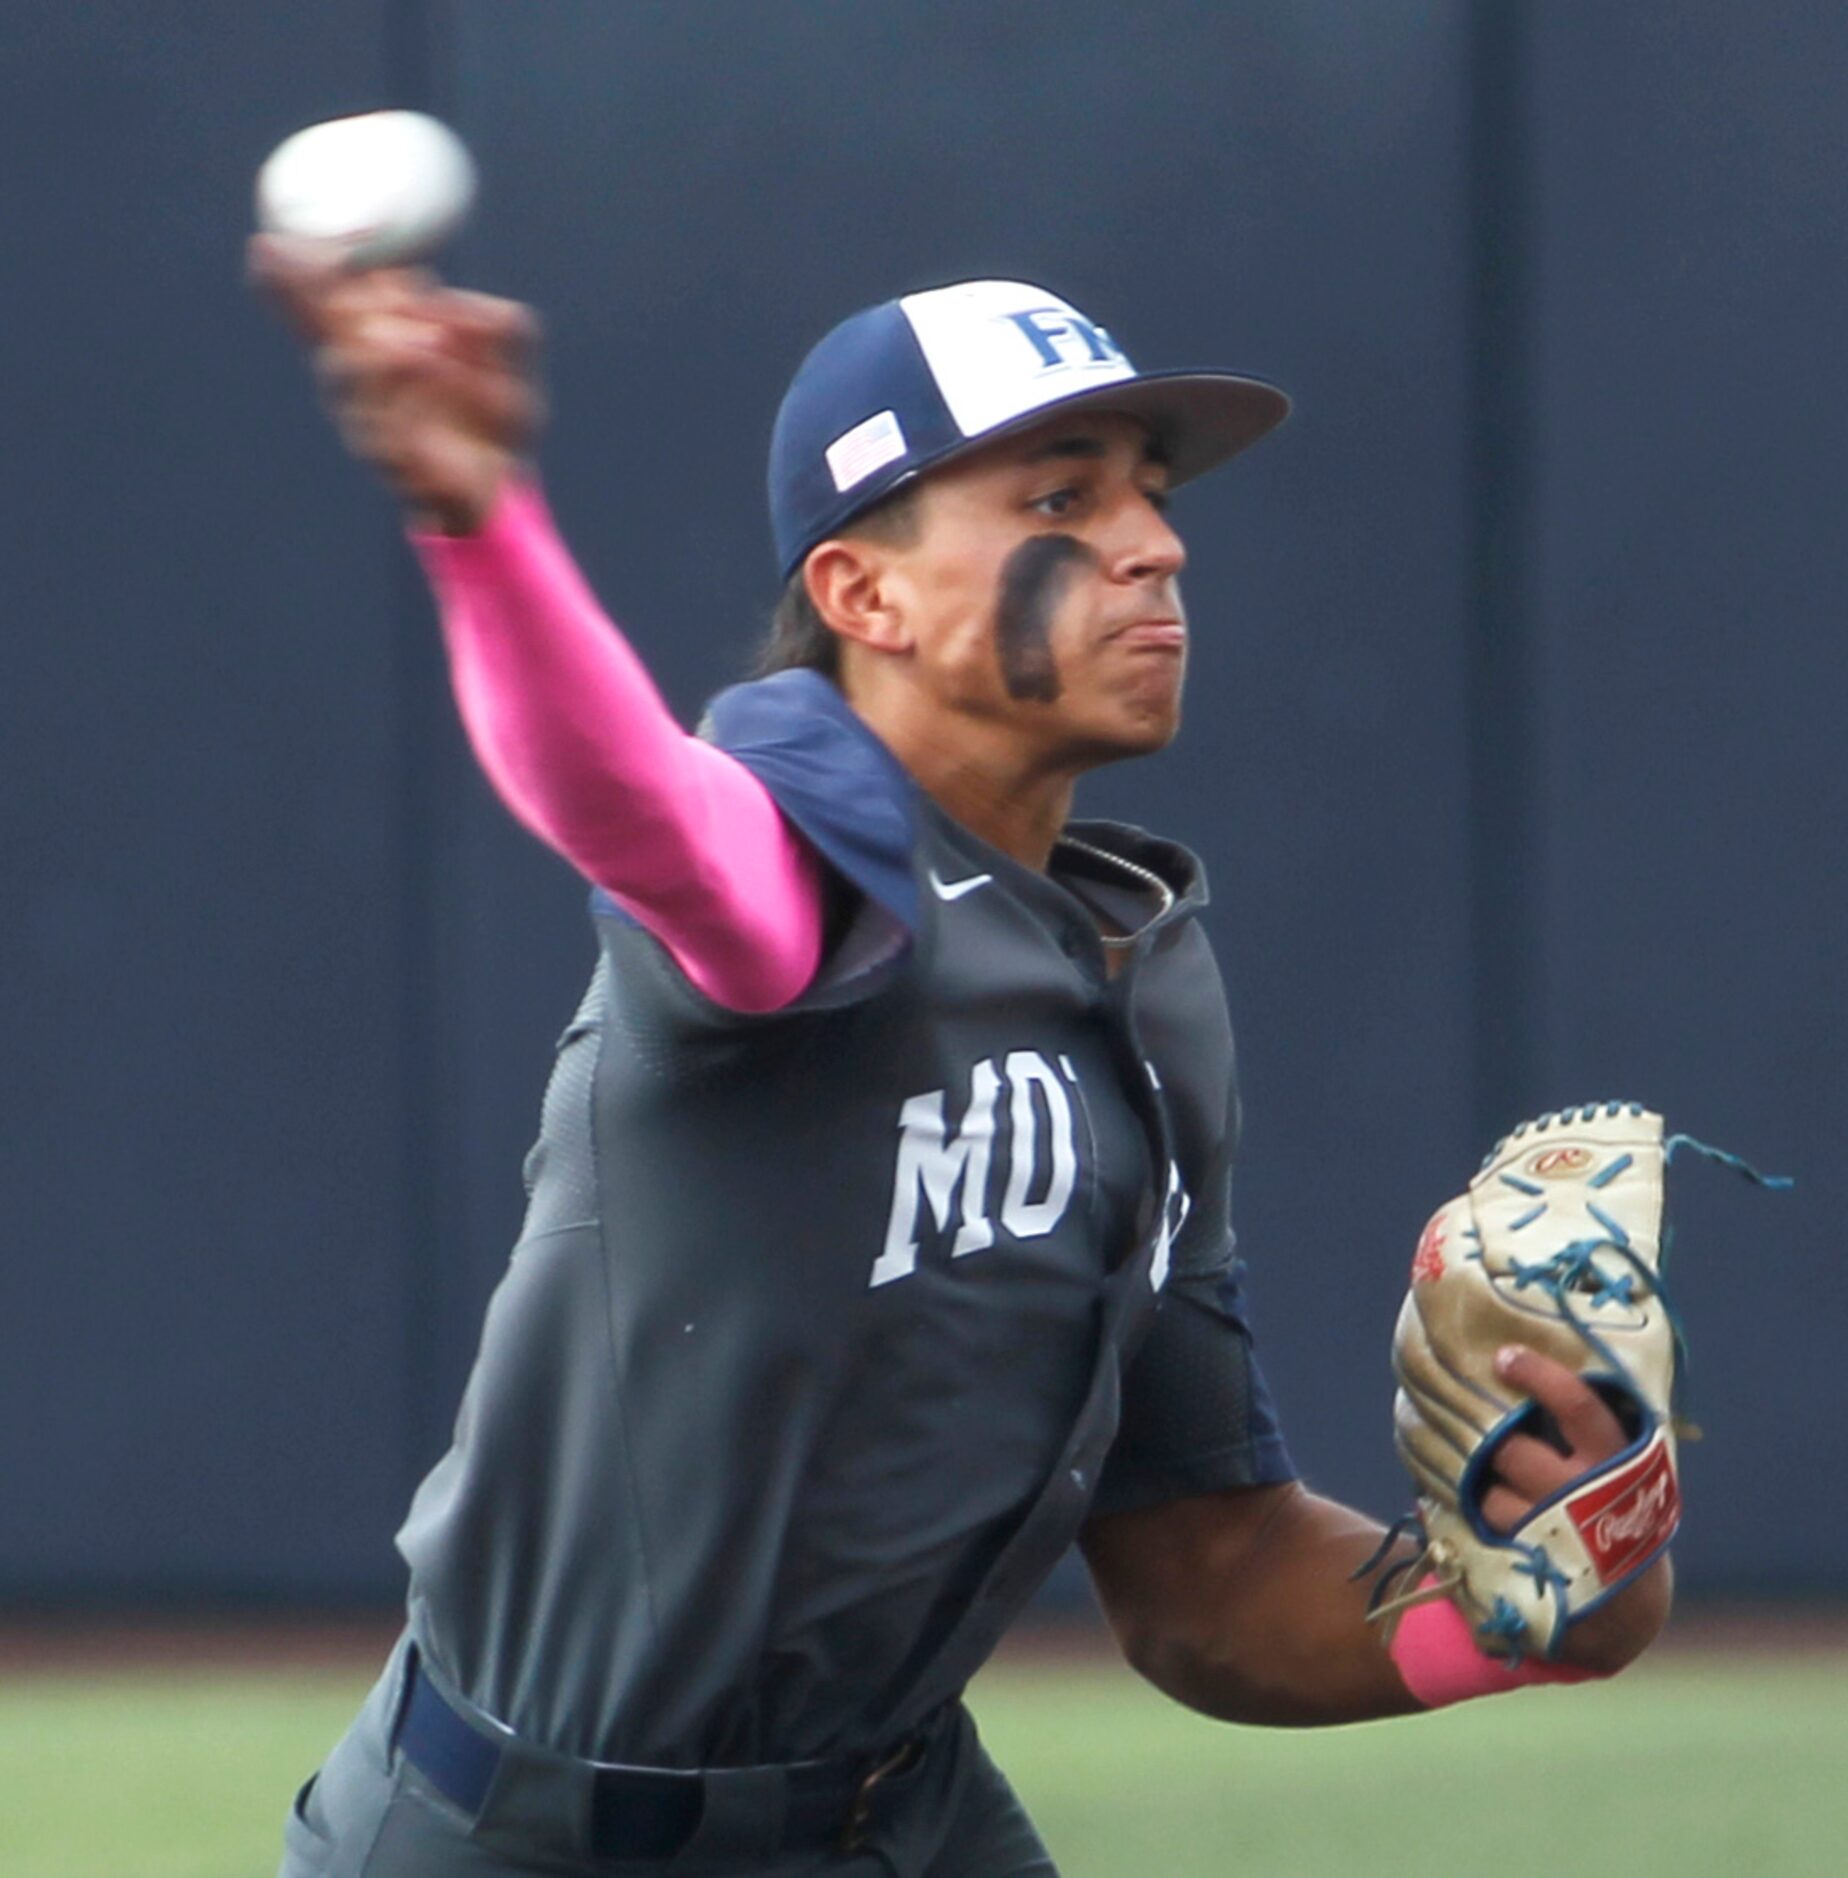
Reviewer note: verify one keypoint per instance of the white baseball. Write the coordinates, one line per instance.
(387, 186)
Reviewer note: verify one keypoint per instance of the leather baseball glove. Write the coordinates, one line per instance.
(1557, 1245)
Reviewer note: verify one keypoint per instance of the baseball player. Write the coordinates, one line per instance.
(878, 1245)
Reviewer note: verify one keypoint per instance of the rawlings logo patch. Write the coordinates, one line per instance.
(1559, 1163)
(1428, 1260)
(1633, 1513)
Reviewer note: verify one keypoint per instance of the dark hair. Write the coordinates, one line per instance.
(799, 638)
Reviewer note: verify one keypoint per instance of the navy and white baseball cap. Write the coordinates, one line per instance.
(904, 386)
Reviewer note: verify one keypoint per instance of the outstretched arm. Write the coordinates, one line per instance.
(571, 730)
(1243, 1605)
(434, 388)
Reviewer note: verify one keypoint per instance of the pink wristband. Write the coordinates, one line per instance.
(1437, 1659)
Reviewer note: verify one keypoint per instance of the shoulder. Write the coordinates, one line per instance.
(831, 776)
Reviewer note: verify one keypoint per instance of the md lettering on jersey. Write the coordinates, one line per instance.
(1062, 337)
(949, 1169)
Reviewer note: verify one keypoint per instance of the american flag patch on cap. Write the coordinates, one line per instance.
(869, 446)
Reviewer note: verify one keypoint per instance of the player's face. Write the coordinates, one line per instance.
(1042, 589)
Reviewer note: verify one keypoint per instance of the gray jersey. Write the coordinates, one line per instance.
(828, 1329)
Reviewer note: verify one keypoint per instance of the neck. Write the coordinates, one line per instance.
(976, 772)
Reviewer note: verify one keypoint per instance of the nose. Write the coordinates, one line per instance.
(1143, 545)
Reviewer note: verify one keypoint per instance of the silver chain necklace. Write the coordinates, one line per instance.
(1146, 875)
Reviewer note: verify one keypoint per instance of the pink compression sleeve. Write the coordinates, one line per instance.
(1437, 1659)
(579, 743)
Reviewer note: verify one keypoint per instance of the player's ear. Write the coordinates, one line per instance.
(848, 589)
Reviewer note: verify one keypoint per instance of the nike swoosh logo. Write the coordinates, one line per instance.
(955, 889)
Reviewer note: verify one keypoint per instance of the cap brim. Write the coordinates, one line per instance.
(1200, 419)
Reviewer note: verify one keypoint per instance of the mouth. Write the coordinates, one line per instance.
(1158, 635)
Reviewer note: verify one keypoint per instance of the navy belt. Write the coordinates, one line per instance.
(653, 1812)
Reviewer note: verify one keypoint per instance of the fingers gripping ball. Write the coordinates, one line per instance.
(1557, 1245)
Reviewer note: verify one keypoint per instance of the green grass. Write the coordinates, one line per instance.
(160, 1777)
(1694, 1767)
(1688, 1767)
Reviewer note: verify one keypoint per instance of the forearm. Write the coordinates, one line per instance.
(1244, 1606)
(569, 727)
(1256, 1619)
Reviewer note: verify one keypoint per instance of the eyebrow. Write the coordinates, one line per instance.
(1084, 446)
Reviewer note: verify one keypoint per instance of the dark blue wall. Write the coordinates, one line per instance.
(1508, 750)
(1688, 908)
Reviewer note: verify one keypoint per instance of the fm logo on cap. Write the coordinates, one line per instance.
(999, 349)
(1054, 330)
